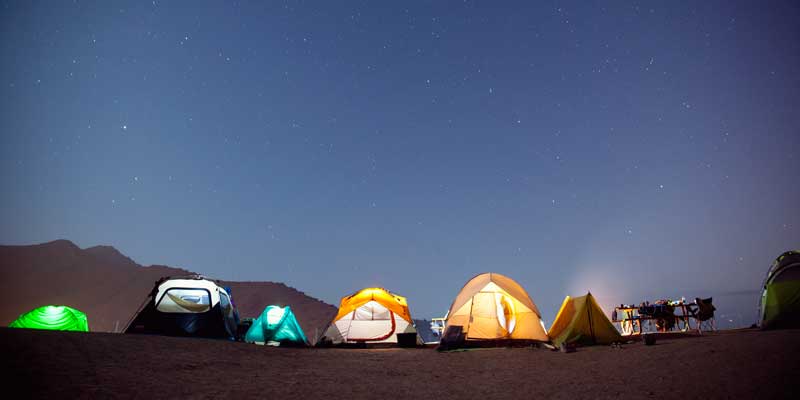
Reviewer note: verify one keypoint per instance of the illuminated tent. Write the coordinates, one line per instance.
(53, 318)
(581, 320)
(186, 306)
(371, 315)
(780, 297)
(276, 324)
(492, 307)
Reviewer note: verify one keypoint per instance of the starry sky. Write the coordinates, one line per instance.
(638, 150)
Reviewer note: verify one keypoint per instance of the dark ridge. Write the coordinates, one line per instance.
(109, 255)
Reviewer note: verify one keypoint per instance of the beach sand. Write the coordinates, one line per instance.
(743, 364)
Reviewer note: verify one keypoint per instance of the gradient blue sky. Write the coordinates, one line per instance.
(636, 149)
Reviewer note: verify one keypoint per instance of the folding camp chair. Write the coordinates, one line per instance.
(704, 314)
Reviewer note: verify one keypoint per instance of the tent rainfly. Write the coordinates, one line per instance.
(276, 324)
(581, 321)
(780, 297)
(371, 315)
(187, 306)
(493, 307)
(53, 318)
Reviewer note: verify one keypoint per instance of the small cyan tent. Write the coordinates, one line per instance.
(276, 324)
(581, 321)
(53, 318)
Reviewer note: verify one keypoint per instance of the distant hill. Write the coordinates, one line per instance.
(109, 287)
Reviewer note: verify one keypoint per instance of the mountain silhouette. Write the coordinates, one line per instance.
(110, 287)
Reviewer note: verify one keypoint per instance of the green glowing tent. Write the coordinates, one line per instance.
(276, 324)
(54, 318)
(780, 296)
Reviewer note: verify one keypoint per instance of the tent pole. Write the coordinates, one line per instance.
(141, 307)
(589, 313)
(469, 321)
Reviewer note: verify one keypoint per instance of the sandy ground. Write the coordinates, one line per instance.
(745, 364)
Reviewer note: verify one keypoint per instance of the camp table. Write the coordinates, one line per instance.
(630, 317)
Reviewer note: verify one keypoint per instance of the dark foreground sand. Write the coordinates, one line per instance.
(745, 364)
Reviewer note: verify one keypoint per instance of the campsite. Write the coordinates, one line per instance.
(185, 331)
(418, 199)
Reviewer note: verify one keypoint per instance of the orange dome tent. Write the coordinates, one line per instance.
(371, 315)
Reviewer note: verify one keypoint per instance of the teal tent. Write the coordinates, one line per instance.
(53, 318)
(276, 324)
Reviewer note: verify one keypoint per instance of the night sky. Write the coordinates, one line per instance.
(638, 150)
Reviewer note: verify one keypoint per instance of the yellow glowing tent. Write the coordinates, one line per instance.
(492, 306)
(371, 315)
(581, 320)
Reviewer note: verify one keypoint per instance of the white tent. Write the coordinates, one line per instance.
(186, 306)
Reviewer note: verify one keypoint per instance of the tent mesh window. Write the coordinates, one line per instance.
(178, 300)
